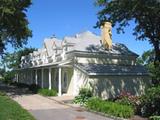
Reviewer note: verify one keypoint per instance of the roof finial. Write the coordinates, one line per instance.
(107, 35)
(53, 36)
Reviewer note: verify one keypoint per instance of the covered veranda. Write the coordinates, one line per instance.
(46, 76)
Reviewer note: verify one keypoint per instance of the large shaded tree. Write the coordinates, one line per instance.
(145, 13)
(13, 23)
(12, 61)
(147, 59)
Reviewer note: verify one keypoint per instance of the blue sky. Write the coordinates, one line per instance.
(68, 17)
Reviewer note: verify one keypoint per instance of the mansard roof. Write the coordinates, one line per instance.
(101, 69)
(84, 42)
(89, 42)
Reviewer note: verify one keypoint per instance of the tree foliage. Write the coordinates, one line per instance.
(13, 60)
(147, 59)
(145, 13)
(2, 72)
(13, 23)
(150, 102)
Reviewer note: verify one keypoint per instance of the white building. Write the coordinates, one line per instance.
(84, 61)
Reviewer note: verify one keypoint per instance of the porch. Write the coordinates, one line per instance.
(59, 77)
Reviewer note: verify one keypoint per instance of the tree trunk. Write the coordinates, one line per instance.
(1, 46)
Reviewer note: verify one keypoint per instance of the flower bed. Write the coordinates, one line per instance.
(110, 108)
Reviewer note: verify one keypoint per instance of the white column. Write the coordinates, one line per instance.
(50, 83)
(59, 82)
(36, 77)
(74, 82)
(42, 85)
(17, 78)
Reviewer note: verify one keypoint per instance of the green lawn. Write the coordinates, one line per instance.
(10, 110)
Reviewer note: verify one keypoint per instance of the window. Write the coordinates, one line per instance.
(64, 48)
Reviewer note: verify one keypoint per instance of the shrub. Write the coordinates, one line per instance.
(2, 93)
(2, 79)
(21, 85)
(110, 108)
(9, 76)
(151, 102)
(14, 83)
(47, 92)
(83, 96)
(85, 92)
(154, 118)
(34, 88)
(125, 98)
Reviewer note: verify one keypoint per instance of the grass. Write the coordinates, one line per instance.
(47, 92)
(11, 110)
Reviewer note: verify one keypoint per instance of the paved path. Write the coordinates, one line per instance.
(46, 109)
(43, 108)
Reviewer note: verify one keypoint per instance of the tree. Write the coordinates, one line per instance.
(2, 72)
(13, 23)
(147, 59)
(13, 60)
(145, 13)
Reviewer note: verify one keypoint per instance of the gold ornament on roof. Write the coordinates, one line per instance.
(107, 35)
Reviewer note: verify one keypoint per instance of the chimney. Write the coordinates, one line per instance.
(107, 35)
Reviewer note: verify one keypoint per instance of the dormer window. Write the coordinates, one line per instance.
(65, 48)
(55, 51)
